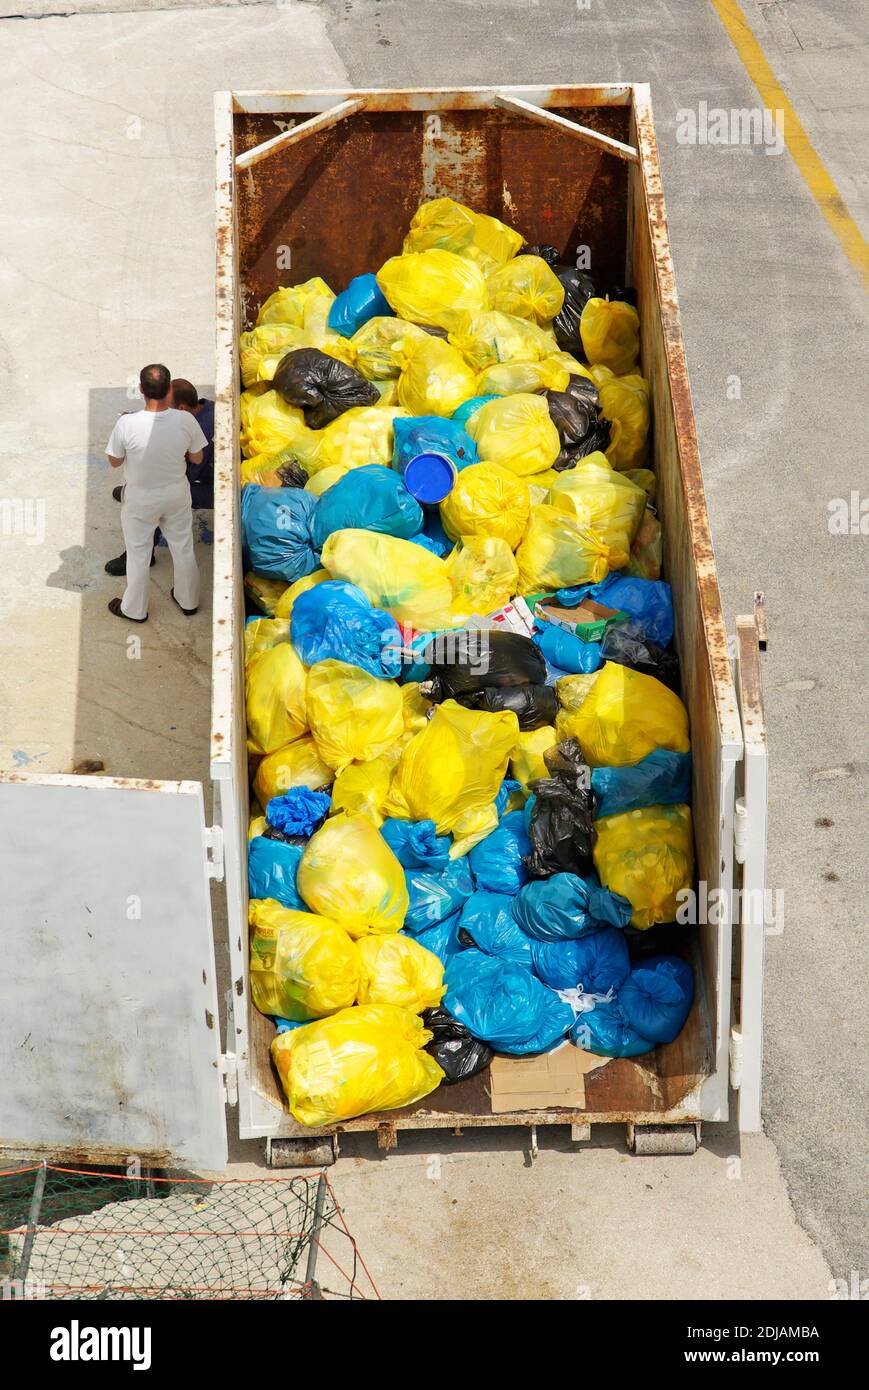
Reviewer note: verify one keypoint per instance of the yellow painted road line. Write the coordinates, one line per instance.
(803, 153)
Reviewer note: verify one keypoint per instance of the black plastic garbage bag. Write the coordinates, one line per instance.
(578, 290)
(321, 385)
(575, 414)
(470, 660)
(627, 645)
(561, 825)
(533, 705)
(456, 1050)
(626, 293)
(597, 440)
(292, 474)
(550, 254)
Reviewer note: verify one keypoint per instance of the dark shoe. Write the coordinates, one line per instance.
(117, 610)
(117, 493)
(118, 566)
(188, 612)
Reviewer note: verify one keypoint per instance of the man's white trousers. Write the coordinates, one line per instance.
(141, 514)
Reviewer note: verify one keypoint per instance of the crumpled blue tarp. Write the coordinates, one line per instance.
(298, 811)
(336, 620)
(276, 532)
(567, 906)
(504, 1004)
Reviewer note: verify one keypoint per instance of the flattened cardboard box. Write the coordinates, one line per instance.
(554, 1081)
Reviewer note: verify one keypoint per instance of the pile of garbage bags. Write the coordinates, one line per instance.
(470, 762)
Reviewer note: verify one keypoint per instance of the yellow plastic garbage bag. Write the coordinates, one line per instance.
(397, 970)
(484, 575)
(473, 827)
(407, 580)
(318, 483)
(360, 1059)
(647, 550)
(265, 469)
(433, 287)
(263, 592)
(626, 715)
(487, 500)
(528, 288)
(257, 825)
(624, 400)
(299, 305)
(644, 478)
(490, 337)
(517, 432)
(572, 690)
(606, 501)
(648, 856)
(262, 346)
(388, 392)
(298, 764)
(610, 333)
(360, 436)
(381, 345)
(352, 714)
(526, 760)
(574, 368)
(450, 226)
(284, 605)
(301, 966)
(274, 698)
(262, 633)
(349, 873)
(362, 788)
(416, 708)
(268, 424)
(558, 551)
(508, 378)
(455, 765)
(435, 379)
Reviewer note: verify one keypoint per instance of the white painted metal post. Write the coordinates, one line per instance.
(753, 845)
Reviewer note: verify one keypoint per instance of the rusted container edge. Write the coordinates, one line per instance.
(429, 99)
(686, 432)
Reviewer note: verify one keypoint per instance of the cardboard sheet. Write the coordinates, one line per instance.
(555, 1081)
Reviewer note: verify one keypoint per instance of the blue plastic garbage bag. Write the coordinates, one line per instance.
(442, 939)
(648, 601)
(372, 498)
(298, 811)
(595, 963)
(496, 862)
(565, 650)
(436, 893)
(431, 434)
(565, 905)
(605, 1031)
(286, 1025)
(469, 408)
(431, 544)
(661, 778)
(271, 871)
(276, 532)
(504, 1004)
(416, 844)
(487, 920)
(656, 997)
(361, 301)
(336, 620)
(433, 536)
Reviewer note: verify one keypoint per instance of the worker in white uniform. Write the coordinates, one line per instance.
(155, 446)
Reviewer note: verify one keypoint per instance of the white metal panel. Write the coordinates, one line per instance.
(752, 854)
(109, 1030)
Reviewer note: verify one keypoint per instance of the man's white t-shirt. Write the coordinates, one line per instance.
(153, 445)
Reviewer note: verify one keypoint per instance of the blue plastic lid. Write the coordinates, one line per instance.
(430, 477)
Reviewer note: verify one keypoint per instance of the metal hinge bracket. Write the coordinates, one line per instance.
(212, 839)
